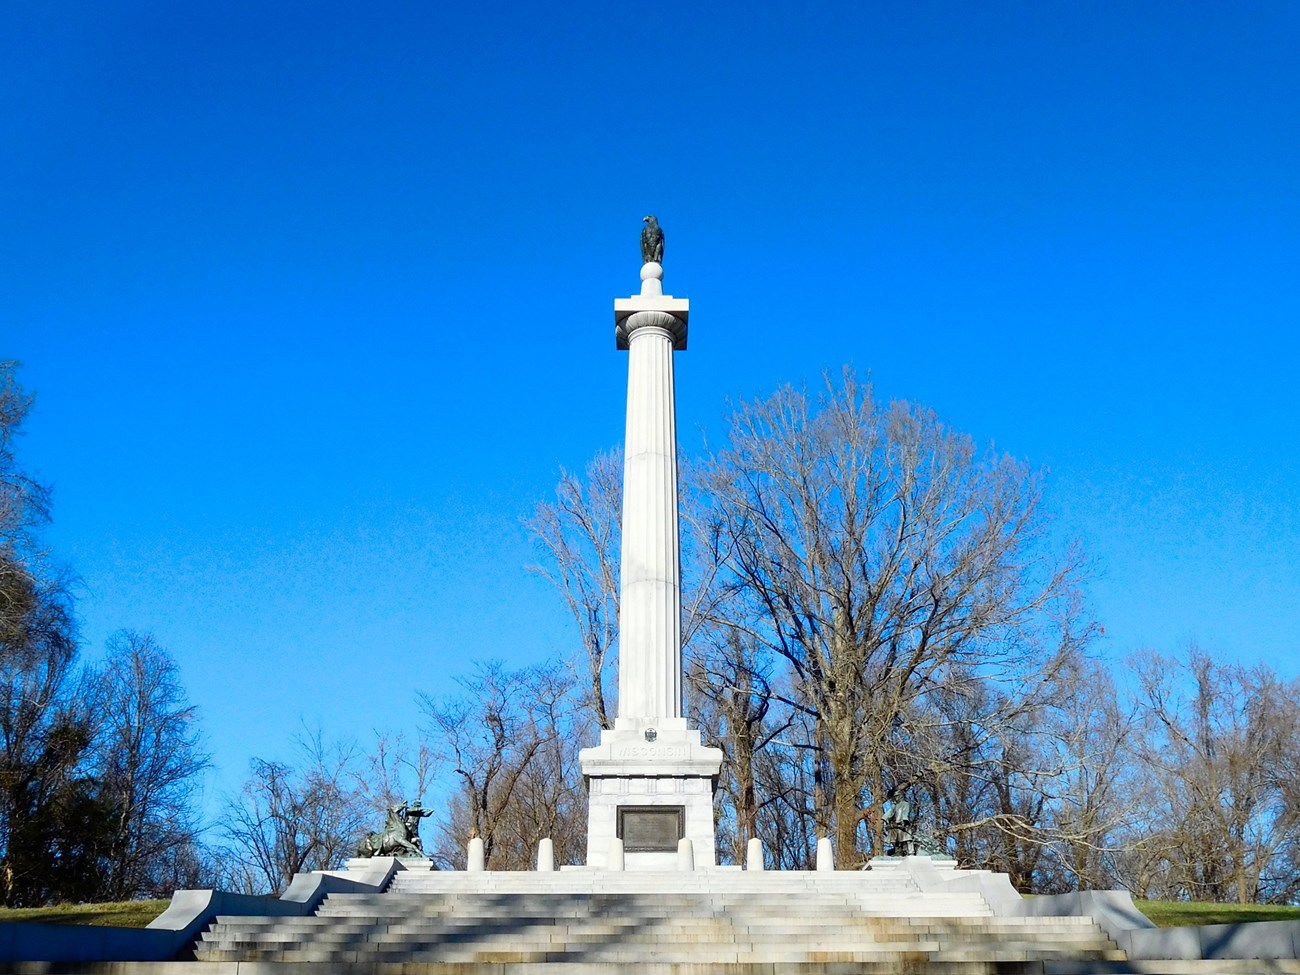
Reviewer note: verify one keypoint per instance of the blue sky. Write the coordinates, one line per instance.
(316, 299)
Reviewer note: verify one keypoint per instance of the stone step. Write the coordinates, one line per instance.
(587, 933)
(634, 951)
(757, 937)
(1058, 945)
(899, 911)
(917, 905)
(650, 936)
(462, 884)
(1142, 966)
(639, 951)
(590, 879)
(397, 884)
(648, 879)
(535, 916)
(421, 951)
(522, 902)
(893, 967)
(650, 909)
(593, 937)
(684, 896)
(629, 928)
(847, 890)
(897, 908)
(554, 882)
(898, 955)
(661, 904)
(713, 946)
(955, 923)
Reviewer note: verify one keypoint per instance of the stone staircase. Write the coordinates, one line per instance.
(703, 923)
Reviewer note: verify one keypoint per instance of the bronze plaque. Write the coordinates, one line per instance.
(645, 829)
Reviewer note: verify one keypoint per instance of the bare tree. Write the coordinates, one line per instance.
(580, 533)
(149, 761)
(874, 549)
(1100, 792)
(397, 769)
(549, 800)
(288, 820)
(786, 777)
(501, 736)
(1220, 740)
(580, 536)
(741, 713)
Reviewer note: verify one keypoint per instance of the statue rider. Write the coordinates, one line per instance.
(412, 813)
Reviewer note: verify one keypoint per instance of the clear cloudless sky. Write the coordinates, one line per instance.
(316, 299)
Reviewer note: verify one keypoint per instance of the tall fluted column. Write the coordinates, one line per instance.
(650, 326)
(649, 677)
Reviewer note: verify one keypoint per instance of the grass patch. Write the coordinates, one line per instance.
(121, 914)
(1177, 914)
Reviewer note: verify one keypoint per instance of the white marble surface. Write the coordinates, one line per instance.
(546, 856)
(651, 307)
(650, 757)
(624, 752)
(606, 795)
(650, 664)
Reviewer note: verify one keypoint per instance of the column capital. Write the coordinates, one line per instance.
(651, 308)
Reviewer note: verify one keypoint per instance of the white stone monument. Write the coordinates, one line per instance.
(650, 781)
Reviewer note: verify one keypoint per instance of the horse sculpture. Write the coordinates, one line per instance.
(393, 840)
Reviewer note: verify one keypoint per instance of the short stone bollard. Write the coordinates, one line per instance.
(685, 854)
(754, 854)
(825, 855)
(615, 859)
(546, 856)
(474, 862)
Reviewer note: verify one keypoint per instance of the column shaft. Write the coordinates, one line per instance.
(650, 664)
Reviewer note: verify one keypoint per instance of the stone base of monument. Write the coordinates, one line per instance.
(650, 788)
(910, 915)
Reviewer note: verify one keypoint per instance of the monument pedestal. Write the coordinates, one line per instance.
(650, 783)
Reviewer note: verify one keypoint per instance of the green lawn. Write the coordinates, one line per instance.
(122, 914)
(1177, 914)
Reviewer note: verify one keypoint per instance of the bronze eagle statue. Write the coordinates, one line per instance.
(652, 241)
